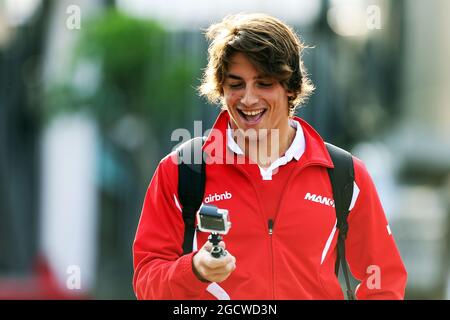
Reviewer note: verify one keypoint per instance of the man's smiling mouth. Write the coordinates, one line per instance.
(252, 117)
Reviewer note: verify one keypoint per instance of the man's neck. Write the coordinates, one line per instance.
(269, 147)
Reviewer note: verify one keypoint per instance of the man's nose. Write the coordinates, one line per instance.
(250, 97)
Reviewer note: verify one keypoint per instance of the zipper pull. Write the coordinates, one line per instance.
(270, 226)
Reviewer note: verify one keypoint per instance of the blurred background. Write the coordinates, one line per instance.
(90, 92)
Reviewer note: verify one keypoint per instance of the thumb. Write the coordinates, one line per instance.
(207, 246)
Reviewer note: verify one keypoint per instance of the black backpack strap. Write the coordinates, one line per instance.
(342, 178)
(191, 185)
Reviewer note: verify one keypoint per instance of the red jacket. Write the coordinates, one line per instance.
(295, 261)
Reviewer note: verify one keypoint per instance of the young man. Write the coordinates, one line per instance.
(282, 244)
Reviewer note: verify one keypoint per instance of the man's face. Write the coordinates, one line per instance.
(254, 100)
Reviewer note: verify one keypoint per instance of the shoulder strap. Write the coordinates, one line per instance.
(342, 178)
(191, 185)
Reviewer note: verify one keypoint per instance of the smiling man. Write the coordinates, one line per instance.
(283, 243)
(256, 104)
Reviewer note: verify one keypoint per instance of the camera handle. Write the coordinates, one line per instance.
(217, 251)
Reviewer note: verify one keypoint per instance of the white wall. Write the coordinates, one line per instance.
(69, 212)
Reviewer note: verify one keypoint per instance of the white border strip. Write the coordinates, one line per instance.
(330, 238)
(177, 203)
(217, 291)
(327, 245)
(355, 196)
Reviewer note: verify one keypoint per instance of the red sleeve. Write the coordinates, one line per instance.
(371, 251)
(160, 269)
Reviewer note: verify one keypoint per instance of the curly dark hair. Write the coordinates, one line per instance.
(272, 47)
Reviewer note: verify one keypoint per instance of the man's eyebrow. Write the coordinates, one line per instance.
(233, 76)
(236, 77)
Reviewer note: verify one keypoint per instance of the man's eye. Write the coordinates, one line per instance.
(265, 84)
(235, 85)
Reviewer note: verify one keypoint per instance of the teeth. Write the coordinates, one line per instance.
(252, 113)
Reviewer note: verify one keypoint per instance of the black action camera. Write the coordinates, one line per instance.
(216, 221)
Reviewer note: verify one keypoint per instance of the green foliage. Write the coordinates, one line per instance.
(124, 65)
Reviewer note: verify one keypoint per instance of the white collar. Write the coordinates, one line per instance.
(295, 150)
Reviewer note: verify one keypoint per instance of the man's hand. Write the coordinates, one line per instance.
(208, 268)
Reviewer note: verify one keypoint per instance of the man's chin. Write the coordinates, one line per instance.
(252, 134)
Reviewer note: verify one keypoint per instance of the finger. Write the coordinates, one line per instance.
(216, 263)
(226, 267)
(219, 273)
(204, 260)
(207, 246)
(221, 276)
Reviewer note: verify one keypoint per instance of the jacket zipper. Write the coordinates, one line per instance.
(271, 221)
(270, 229)
(270, 225)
